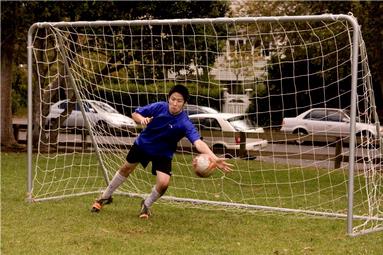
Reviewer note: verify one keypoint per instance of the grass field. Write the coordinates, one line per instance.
(67, 227)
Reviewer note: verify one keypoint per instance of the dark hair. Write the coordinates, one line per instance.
(180, 89)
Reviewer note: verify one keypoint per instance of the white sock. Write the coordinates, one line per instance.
(117, 180)
(154, 196)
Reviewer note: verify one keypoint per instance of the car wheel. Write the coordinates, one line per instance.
(301, 133)
(364, 134)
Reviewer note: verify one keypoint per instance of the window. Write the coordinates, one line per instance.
(103, 107)
(335, 116)
(316, 115)
(64, 105)
(191, 110)
(241, 123)
(206, 124)
(86, 107)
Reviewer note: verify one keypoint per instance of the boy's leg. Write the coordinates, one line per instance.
(162, 183)
(118, 179)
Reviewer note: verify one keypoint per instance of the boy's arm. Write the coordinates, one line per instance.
(138, 118)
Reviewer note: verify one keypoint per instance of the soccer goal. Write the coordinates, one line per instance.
(86, 78)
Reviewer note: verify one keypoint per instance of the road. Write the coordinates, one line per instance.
(319, 156)
(301, 155)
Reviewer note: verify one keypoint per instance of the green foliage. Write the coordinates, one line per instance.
(67, 227)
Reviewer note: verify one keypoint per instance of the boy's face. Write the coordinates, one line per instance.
(176, 103)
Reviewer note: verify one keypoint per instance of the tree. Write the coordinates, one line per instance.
(17, 17)
(7, 51)
(368, 14)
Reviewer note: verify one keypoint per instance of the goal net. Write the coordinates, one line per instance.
(304, 136)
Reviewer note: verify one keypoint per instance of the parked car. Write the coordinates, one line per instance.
(100, 114)
(196, 109)
(326, 121)
(216, 123)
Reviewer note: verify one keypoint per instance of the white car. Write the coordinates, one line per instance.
(99, 114)
(211, 126)
(326, 121)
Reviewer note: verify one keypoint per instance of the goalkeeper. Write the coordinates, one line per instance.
(166, 123)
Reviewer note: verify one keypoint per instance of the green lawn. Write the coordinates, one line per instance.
(66, 226)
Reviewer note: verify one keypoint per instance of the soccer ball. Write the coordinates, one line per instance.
(203, 165)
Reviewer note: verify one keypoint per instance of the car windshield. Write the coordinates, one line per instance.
(195, 109)
(241, 123)
(104, 107)
(209, 110)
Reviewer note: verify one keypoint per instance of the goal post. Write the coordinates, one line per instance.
(85, 79)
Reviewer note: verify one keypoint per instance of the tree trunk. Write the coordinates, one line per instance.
(7, 137)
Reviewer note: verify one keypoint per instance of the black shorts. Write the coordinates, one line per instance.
(162, 164)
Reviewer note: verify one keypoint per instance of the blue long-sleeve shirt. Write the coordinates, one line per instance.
(162, 134)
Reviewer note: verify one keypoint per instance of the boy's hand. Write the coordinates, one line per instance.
(146, 120)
